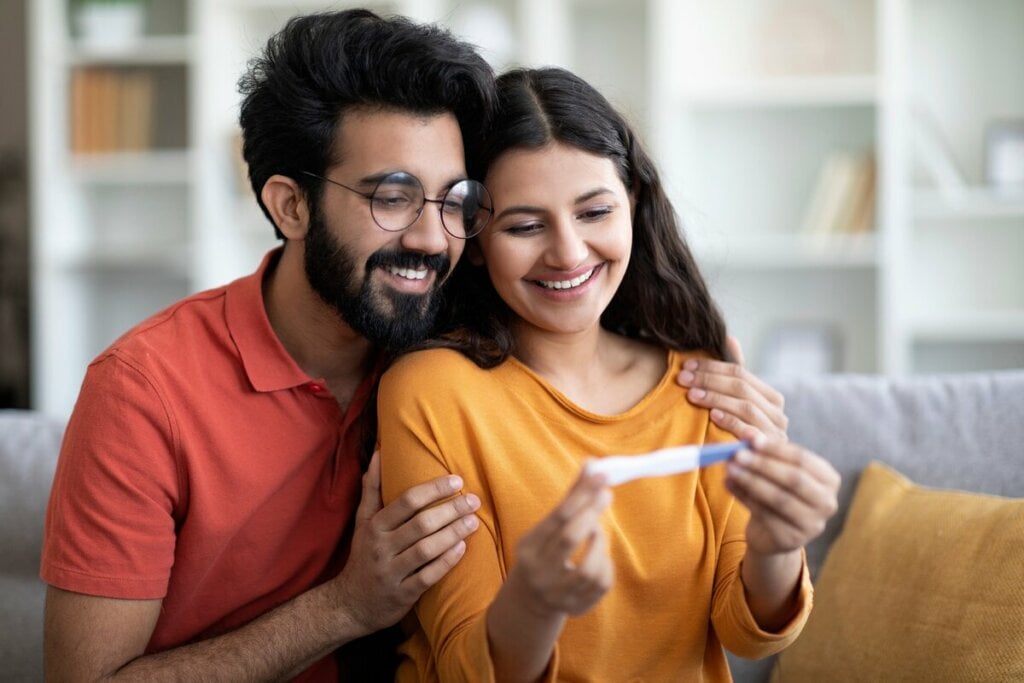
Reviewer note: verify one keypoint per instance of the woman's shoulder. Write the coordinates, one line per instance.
(434, 368)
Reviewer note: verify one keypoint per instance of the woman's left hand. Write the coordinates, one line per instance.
(740, 402)
(790, 491)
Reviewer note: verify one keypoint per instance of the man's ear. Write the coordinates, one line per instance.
(287, 205)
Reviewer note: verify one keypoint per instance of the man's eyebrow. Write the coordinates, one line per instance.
(375, 178)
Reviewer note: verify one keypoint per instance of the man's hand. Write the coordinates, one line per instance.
(401, 550)
(740, 402)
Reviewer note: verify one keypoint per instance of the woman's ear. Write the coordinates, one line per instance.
(287, 205)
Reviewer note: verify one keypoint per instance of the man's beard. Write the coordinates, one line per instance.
(391, 320)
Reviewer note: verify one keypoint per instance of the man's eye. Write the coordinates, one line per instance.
(391, 202)
(452, 207)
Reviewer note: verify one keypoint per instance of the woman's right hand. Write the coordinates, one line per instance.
(562, 566)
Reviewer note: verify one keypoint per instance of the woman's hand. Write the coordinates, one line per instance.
(739, 401)
(562, 565)
(562, 569)
(790, 491)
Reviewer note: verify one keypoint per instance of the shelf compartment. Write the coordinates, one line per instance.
(754, 172)
(757, 302)
(784, 251)
(128, 108)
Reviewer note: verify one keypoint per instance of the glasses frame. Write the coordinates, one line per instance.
(368, 196)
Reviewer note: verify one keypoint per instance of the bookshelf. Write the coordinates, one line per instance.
(742, 102)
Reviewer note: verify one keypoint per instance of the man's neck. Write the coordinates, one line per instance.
(311, 331)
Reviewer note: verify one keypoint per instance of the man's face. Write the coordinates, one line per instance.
(385, 285)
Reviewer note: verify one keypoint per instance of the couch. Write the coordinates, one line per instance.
(957, 431)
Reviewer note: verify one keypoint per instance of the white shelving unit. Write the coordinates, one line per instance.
(741, 102)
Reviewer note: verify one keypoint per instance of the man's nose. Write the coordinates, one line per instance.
(427, 234)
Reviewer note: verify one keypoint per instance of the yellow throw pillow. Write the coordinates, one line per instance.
(922, 585)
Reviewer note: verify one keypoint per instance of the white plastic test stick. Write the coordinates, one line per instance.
(622, 468)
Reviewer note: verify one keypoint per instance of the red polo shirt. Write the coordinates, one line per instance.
(203, 467)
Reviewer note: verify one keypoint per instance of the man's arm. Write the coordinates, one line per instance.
(740, 402)
(397, 552)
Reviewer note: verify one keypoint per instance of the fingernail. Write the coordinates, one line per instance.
(473, 501)
(744, 457)
(686, 377)
(690, 364)
(460, 547)
(717, 414)
(735, 470)
(697, 393)
(455, 482)
(471, 522)
(759, 441)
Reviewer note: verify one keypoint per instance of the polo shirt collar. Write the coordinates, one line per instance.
(267, 364)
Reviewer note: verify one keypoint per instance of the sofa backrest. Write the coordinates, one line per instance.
(947, 431)
(29, 444)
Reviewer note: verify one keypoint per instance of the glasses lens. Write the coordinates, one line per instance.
(397, 201)
(466, 209)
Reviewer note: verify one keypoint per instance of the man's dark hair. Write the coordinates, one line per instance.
(662, 299)
(321, 65)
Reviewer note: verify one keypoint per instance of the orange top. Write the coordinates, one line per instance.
(202, 466)
(519, 443)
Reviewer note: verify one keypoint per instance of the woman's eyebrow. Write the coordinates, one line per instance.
(591, 194)
(519, 209)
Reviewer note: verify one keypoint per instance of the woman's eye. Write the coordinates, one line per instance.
(523, 229)
(595, 214)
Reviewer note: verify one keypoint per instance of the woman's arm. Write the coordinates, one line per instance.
(791, 493)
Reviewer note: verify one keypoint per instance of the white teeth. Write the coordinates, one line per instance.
(408, 273)
(566, 284)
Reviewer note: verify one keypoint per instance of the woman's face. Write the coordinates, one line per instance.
(559, 244)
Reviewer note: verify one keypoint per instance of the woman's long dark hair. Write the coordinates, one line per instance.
(662, 299)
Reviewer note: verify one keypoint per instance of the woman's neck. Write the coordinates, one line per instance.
(598, 370)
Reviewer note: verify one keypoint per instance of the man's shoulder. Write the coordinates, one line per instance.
(188, 328)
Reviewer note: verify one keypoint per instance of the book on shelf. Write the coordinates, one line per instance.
(111, 110)
(843, 199)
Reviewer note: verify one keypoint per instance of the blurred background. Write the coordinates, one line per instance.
(850, 173)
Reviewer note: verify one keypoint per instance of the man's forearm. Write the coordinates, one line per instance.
(277, 645)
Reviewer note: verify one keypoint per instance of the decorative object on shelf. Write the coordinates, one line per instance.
(803, 348)
(935, 154)
(109, 24)
(1004, 155)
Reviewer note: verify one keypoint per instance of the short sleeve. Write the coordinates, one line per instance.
(110, 527)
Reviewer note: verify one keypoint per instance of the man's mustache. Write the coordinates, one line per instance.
(439, 263)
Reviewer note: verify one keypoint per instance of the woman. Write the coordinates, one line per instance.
(574, 311)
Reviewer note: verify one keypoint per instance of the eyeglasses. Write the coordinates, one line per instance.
(397, 201)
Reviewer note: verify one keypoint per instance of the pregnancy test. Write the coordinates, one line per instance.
(622, 468)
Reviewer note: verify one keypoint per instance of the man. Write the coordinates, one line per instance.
(206, 520)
